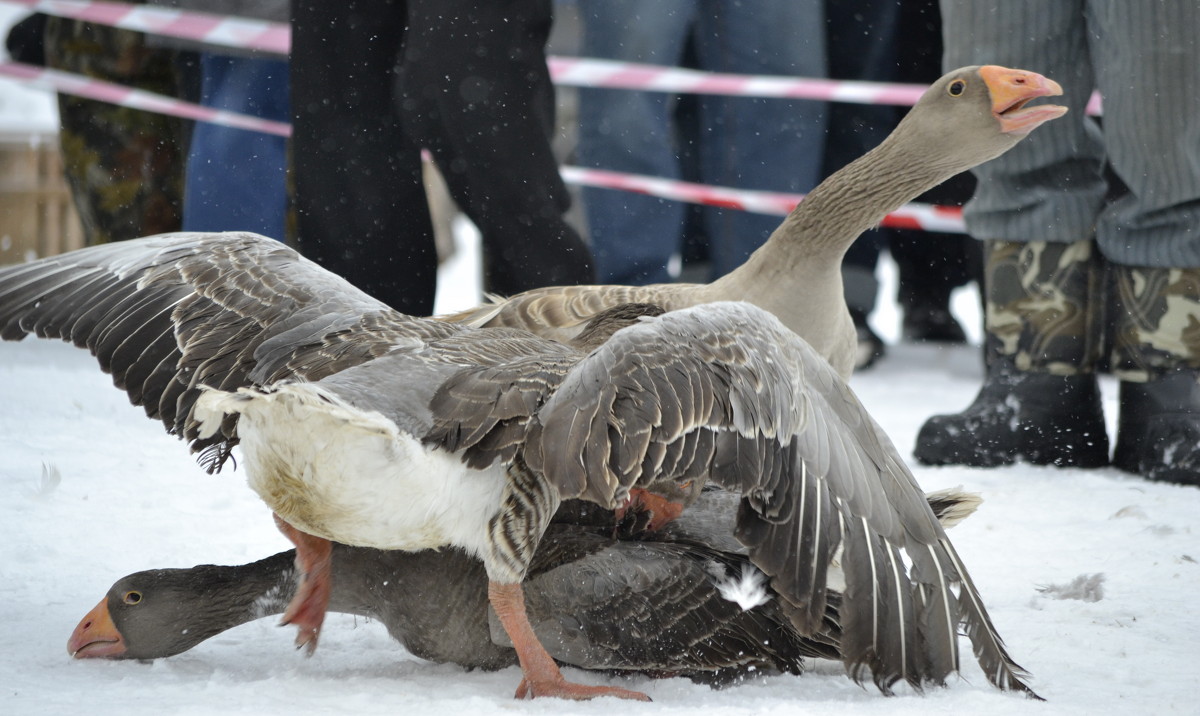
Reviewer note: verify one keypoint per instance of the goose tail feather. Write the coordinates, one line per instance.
(993, 657)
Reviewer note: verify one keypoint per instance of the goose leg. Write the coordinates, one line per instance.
(541, 675)
(308, 606)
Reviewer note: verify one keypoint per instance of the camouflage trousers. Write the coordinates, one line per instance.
(124, 166)
(1057, 307)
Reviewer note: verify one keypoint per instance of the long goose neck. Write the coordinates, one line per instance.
(224, 597)
(855, 198)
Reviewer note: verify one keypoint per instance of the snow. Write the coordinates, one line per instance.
(1089, 575)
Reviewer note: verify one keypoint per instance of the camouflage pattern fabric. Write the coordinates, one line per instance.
(1157, 321)
(124, 166)
(1044, 305)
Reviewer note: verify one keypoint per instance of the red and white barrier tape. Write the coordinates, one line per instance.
(913, 216)
(910, 216)
(68, 83)
(239, 32)
(589, 72)
(275, 38)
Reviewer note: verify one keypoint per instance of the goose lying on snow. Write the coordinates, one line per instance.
(967, 117)
(365, 426)
(644, 602)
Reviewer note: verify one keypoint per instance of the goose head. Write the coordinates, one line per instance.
(162, 612)
(983, 110)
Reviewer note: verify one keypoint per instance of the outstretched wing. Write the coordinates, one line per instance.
(725, 390)
(166, 314)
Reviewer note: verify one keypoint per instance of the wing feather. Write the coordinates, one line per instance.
(168, 313)
(816, 474)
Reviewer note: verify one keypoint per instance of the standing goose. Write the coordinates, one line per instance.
(967, 117)
(648, 602)
(365, 426)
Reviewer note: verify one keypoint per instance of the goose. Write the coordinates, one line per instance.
(361, 425)
(965, 118)
(651, 602)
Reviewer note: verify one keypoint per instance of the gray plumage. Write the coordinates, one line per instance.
(721, 392)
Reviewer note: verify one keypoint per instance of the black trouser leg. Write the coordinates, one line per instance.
(361, 209)
(474, 89)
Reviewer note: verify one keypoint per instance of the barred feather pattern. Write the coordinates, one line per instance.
(721, 392)
(166, 314)
(529, 502)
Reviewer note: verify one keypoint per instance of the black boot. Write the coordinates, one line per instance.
(1157, 357)
(1040, 401)
(870, 346)
(1040, 418)
(1158, 431)
(929, 323)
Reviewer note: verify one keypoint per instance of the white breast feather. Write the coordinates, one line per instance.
(350, 475)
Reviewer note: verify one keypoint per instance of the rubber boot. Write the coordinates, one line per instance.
(1040, 401)
(1157, 356)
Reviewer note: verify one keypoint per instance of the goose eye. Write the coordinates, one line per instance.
(957, 87)
(133, 597)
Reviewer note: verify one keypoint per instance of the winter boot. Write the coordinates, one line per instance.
(1157, 356)
(1040, 401)
(930, 267)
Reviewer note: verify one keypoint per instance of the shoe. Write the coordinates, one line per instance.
(1039, 418)
(1158, 430)
(870, 346)
(931, 324)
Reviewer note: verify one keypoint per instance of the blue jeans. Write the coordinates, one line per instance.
(749, 143)
(237, 178)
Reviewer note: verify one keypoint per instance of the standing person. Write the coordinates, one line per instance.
(861, 44)
(374, 82)
(744, 142)
(1050, 233)
(124, 166)
(235, 179)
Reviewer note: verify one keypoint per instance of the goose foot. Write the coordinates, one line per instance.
(541, 675)
(564, 689)
(662, 511)
(309, 604)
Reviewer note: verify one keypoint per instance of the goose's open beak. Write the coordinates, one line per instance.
(1012, 89)
(96, 636)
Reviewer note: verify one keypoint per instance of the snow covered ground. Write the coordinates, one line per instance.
(130, 498)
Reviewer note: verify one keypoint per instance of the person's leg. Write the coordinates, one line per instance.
(237, 178)
(633, 236)
(759, 143)
(475, 90)
(1157, 357)
(360, 203)
(1147, 58)
(1148, 68)
(860, 45)
(1036, 206)
(124, 166)
(1040, 401)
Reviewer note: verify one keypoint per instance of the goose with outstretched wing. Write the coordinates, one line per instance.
(365, 426)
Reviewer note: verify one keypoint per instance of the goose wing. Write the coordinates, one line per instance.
(561, 312)
(726, 391)
(168, 313)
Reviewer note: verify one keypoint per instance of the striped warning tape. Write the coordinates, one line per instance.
(910, 216)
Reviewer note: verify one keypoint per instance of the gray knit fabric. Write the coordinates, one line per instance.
(1144, 57)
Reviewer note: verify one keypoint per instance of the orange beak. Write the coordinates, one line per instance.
(1012, 89)
(96, 636)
